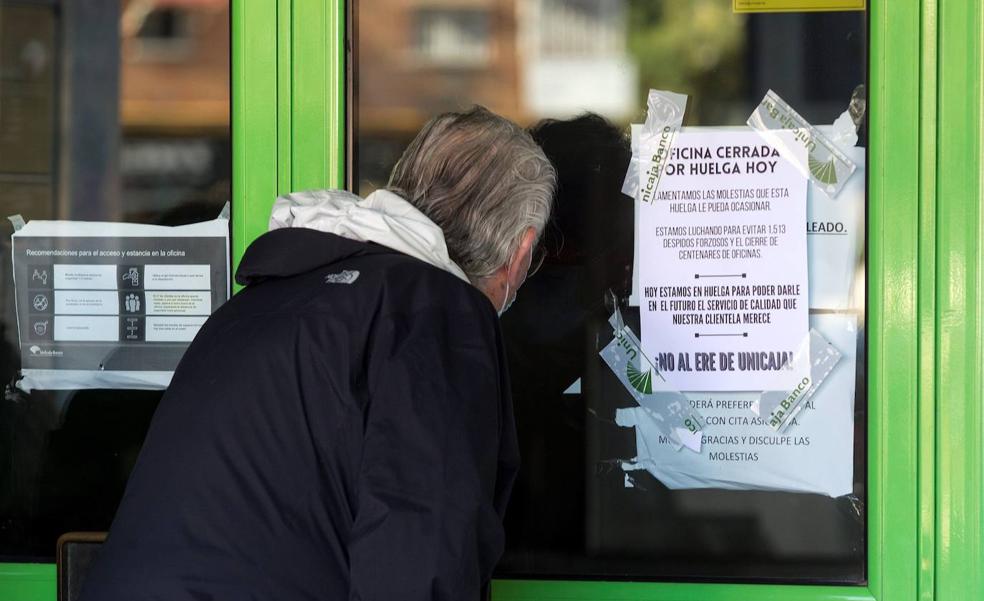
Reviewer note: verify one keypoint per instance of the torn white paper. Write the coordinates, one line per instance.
(741, 452)
(835, 237)
(669, 411)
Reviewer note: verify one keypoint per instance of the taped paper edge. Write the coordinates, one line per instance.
(79, 379)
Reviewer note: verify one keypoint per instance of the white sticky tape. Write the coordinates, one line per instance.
(825, 163)
(779, 408)
(17, 221)
(671, 411)
(651, 149)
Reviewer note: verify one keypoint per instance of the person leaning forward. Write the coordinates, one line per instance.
(342, 428)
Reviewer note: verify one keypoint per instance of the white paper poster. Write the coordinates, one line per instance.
(741, 452)
(834, 231)
(723, 284)
(113, 305)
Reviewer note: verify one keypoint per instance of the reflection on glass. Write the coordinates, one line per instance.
(545, 64)
(114, 112)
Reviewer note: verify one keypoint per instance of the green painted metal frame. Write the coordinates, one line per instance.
(288, 115)
(27, 582)
(959, 191)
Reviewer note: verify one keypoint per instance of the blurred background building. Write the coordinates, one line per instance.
(174, 104)
(524, 59)
(536, 59)
(113, 111)
(160, 98)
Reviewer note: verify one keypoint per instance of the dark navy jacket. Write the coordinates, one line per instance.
(341, 429)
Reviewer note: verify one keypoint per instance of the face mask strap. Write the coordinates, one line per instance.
(506, 303)
(505, 299)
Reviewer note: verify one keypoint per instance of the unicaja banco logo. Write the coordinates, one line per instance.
(640, 380)
(824, 171)
(37, 351)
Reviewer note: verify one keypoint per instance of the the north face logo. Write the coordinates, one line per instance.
(344, 277)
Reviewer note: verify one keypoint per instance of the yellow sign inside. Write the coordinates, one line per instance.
(795, 6)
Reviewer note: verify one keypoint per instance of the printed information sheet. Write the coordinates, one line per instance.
(114, 305)
(723, 283)
(741, 452)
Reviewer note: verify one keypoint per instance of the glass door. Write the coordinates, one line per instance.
(110, 111)
(605, 494)
(746, 509)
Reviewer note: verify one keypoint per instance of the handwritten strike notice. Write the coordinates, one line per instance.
(723, 265)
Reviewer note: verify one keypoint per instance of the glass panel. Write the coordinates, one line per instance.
(579, 509)
(109, 111)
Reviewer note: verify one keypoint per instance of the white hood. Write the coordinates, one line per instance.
(382, 217)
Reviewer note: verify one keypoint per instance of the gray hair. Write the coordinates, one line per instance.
(483, 180)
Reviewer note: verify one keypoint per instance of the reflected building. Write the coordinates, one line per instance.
(524, 59)
(576, 59)
(174, 105)
(113, 110)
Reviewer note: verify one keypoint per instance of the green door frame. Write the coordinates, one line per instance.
(959, 363)
(288, 106)
(925, 286)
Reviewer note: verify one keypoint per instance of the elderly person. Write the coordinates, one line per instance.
(342, 428)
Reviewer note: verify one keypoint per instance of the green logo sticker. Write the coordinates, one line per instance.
(641, 381)
(823, 171)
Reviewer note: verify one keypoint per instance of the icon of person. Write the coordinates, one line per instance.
(132, 303)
